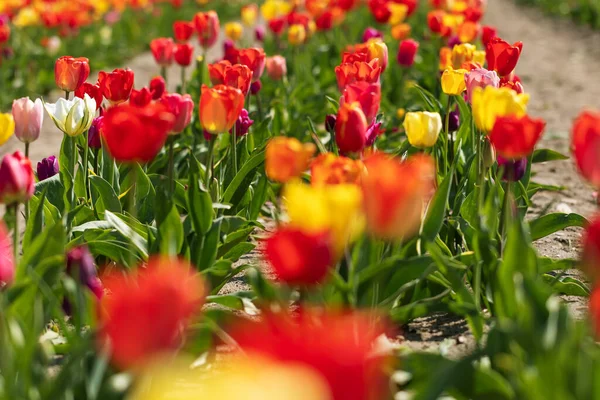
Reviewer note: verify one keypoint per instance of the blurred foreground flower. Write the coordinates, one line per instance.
(72, 117)
(516, 137)
(585, 145)
(286, 158)
(28, 116)
(276, 67)
(480, 77)
(182, 108)
(7, 127)
(7, 260)
(16, 179)
(329, 169)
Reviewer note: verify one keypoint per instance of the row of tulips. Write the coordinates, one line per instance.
(380, 192)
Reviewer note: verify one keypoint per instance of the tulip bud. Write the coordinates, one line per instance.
(255, 59)
(183, 31)
(489, 153)
(28, 117)
(243, 124)
(276, 67)
(80, 263)
(70, 72)
(514, 170)
(162, 51)
(233, 30)
(351, 128)
(7, 261)
(17, 182)
(183, 53)
(330, 121)
(95, 133)
(220, 107)
(259, 33)
(256, 87)
(208, 27)
(182, 107)
(422, 128)
(7, 127)
(406, 52)
(453, 81)
(453, 121)
(47, 168)
(157, 87)
(117, 85)
(286, 158)
(371, 33)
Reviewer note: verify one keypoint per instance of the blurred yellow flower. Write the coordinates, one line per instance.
(272, 9)
(28, 16)
(249, 14)
(233, 30)
(296, 34)
(7, 127)
(462, 53)
(397, 13)
(479, 56)
(491, 102)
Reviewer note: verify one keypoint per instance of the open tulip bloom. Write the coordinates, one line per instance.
(72, 117)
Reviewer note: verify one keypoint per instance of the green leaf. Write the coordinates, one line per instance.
(108, 198)
(170, 233)
(548, 264)
(200, 207)
(551, 223)
(235, 187)
(54, 190)
(128, 233)
(35, 223)
(238, 251)
(567, 285)
(210, 243)
(432, 104)
(234, 301)
(543, 155)
(436, 212)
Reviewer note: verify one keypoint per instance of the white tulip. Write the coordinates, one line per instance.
(73, 117)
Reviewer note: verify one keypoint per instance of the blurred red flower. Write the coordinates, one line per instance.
(585, 145)
(183, 31)
(207, 25)
(183, 54)
(255, 59)
(516, 137)
(162, 51)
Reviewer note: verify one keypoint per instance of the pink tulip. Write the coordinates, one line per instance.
(16, 179)
(28, 116)
(480, 77)
(276, 67)
(182, 107)
(7, 261)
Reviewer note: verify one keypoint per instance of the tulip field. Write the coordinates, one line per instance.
(270, 212)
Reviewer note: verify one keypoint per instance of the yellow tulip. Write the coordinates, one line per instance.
(272, 9)
(7, 127)
(397, 13)
(462, 53)
(28, 16)
(249, 14)
(453, 81)
(233, 30)
(422, 128)
(491, 102)
(333, 208)
(296, 34)
(479, 56)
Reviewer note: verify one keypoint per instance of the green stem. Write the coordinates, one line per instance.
(477, 286)
(96, 160)
(448, 133)
(504, 214)
(73, 167)
(259, 107)
(27, 202)
(171, 165)
(16, 234)
(209, 161)
(132, 209)
(163, 73)
(66, 95)
(86, 169)
(233, 136)
(480, 172)
(183, 80)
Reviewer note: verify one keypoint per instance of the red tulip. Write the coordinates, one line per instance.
(140, 98)
(16, 179)
(183, 54)
(487, 34)
(162, 51)
(501, 56)
(380, 10)
(136, 134)
(255, 59)
(351, 128)
(358, 71)
(182, 107)
(406, 52)
(594, 312)
(277, 25)
(70, 72)
(237, 76)
(117, 85)
(516, 137)
(367, 94)
(7, 260)
(435, 22)
(146, 312)
(183, 31)
(94, 91)
(157, 87)
(220, 107)
(299, 258)
(208, 26)
(585, 145)
(590, 259)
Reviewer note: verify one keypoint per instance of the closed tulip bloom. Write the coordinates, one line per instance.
(591, 252)
(501, 56)
(7, 127)
(401, 31)
(515, 137)
(453, 81)
(183, 31)
(480, 77)
(17, 182)
(287, 158)
(94, 91)
(255, 59)
(71, 72)
(72, 117)
(117, 85)
(7, 260)
(80, 264)
(296, 34)
(236, 76)
(259, 33)
(276, 67)
(367, 94)
(243, 124)
(357, 71)
(140, 98)
(182, 108)
(220, 107)
(249, 14)
(233, 30)
(371, 33)
(514, 170)
(462, 54)
(183, 54)
(208, 26)
(487, 34)
(299, 258)
(136, 134)
(47, 168)
(585, 142)
(145, 313)
(422, 128)
(329, 169)
(95, 133)
(157, 87)
(491, 102)
(351, 128)
(407, 52)
(28, 118)
(162, 51)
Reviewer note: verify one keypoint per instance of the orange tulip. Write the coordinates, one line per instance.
(468, 32)
(220, 107)
(71, 72)
(401, 31)
(236, 76)
(395, 193)
(208, 26)
(255, 59)
(515, 137)
(585, 144)
(286, 158)
(329, 169)
(357, 71)
(351, 128)
(367, 94)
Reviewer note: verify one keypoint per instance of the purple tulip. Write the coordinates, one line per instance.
(453, 41)
(513, 169)
(255, 87)
(453, 121)
(94, 133)
(47, 168)
(330, 122)
(243, 124)
(80, 263)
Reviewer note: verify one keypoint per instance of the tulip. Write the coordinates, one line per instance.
(591, 250)
(182, 31)
(512, 82)
(7, 127)
(236, 76)
(7, 259)
(445, 58)
(255, 59)
(435, 22)
(140, 98)
(220, 107)
(286, 158)
(259, 33)
(17, 182)
(249, 14)
(329, 169)
(406, 52)
(585, 140)
(162, 51)
(182, 108)
(376, 48)
(515, 137)
(453, 121)
(401, 31)
(183, 53)
(330, 122)
(299, 258)
(80, 264)
(367, 94)
(422, 128)
(395, 193)
(207, 25)
(47, 168)
(72, 117)
(277, 26)
(358, 71)
(380, 10)
(148, 310)
(491, 102)
(468, 31)
(501, 56)
(255, 88)
(487, 34)
(276, 67)
(325, 21)
(243, 124)
(398, 13)
(296, 34)
(70, 72)
(351, 128)
(136, 134)
(94, 91)
(514, 170)
(4, 33)
(371, 33)
(482, 78)
(157, 87)
(462, 54)
(233, 30)
(117, 85)
(28, 118)
(95, 133)
(453, 81)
